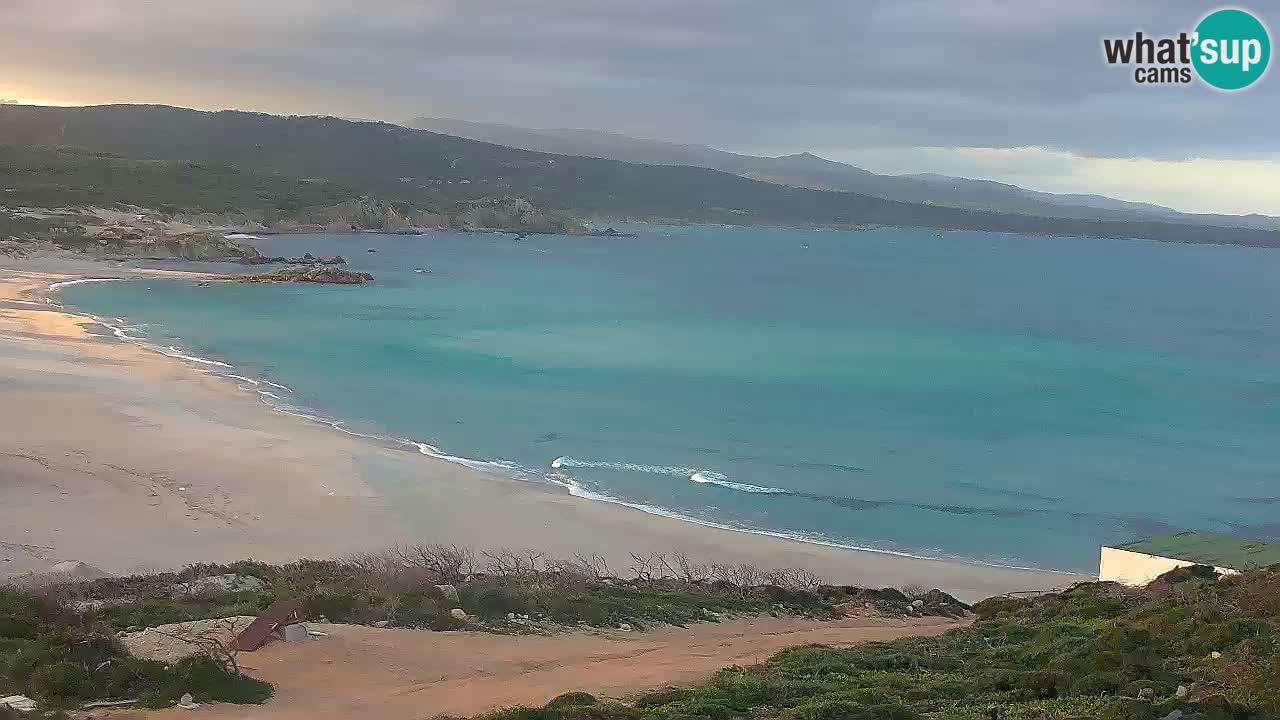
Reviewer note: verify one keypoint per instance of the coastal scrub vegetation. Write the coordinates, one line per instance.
(61, 658)
(59, 640)
(1188, 646)
(502, 591)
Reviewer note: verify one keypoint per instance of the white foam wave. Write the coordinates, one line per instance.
(572, 486)
(741, 487)
(483, 465)
(569, 462)
(122, 332)
(67, 283)
(174, 352)
(120, 329)
(576, 490)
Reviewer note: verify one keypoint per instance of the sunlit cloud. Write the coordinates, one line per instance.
(1016, 91)
(1202, 185)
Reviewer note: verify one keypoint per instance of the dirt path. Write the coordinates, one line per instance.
(362, 672)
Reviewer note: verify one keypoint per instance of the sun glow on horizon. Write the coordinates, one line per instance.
(19, 99)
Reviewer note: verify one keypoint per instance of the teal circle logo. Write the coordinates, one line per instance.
(1232, 49)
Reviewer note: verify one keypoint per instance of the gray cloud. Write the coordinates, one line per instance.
(745, 74)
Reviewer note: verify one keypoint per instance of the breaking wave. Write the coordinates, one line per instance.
(569, 462)
(702, 478)
(122, 330)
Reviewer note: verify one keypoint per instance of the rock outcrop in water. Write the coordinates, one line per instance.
(328, 275)
(306, 259)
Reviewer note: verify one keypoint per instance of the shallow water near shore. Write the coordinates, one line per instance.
(1003, 399)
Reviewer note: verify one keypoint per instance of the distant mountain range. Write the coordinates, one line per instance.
(810, 171)
(286, 164)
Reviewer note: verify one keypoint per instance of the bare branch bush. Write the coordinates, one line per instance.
(446, 563)
(685, 569)
(506, 563)
(386, 572)
(211, 645)
(914, 592)
(593, 563)
(794, 579)
(647, 568)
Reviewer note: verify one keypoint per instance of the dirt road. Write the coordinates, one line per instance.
(362, 672)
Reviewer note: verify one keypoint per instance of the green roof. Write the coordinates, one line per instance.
(1206, 548)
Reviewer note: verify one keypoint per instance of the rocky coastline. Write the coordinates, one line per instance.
(306, 259)
(326, 275)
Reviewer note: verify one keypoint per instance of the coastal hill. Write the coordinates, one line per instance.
(434, 173)
(810, 171)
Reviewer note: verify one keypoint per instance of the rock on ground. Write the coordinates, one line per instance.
(171, 643)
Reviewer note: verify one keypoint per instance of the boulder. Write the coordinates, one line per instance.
(459, 613)
(70, 571)
(21, 703)
(1146, 694)
(75, 570)
(448, 592)
(1175, 715)
(173, 642)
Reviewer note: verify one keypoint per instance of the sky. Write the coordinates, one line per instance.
(1012, 90)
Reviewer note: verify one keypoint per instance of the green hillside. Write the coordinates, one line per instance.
(426, 169)
(44, 176)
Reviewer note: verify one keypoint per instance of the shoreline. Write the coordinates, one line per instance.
(490, 467)
(408, 509)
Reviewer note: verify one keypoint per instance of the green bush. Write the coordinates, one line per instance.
(570, 699)
(992, 607)
(207, 682)
(61, 659)
(58, 683)
(336, 606)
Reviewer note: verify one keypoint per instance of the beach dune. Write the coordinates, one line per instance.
(128, 460)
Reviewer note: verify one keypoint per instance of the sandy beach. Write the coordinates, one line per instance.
(126, 459)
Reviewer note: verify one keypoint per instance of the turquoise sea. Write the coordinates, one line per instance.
(1004, 399)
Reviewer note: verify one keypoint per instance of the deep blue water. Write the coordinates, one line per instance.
(1000, 398)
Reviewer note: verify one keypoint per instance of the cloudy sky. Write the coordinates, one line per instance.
(1014, 90)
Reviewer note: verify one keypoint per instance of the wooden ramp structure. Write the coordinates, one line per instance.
(281, 612)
